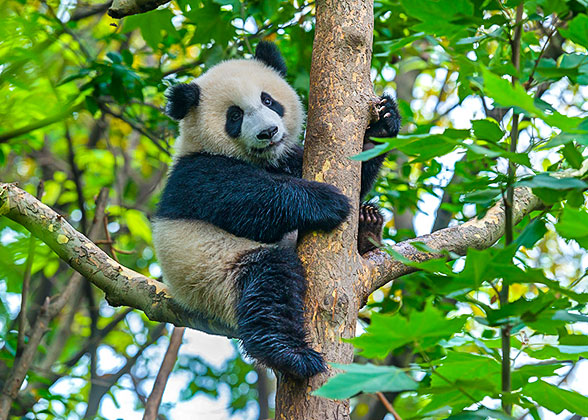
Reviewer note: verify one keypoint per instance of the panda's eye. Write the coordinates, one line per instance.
(236, 114)
(266, 99)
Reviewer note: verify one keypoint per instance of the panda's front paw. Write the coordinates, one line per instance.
(388, 122)
(337, 209)
(333, 206)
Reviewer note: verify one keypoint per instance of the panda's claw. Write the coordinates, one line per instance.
(371, 222)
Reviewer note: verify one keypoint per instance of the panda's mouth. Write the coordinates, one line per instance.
(273, 144)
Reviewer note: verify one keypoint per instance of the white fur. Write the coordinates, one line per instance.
(198, 261)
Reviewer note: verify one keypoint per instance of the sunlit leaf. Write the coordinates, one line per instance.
(365, 378)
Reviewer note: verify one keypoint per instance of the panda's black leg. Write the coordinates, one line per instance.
(371, 221)
(270, 312)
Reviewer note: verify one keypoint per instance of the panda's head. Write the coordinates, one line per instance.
(239, 108)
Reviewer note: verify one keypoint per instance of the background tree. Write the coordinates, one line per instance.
(493, 96)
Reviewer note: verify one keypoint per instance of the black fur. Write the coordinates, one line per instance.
(248, 201)
(180, 98)
(385, 126)
(234, 121)
(371, 221)
(268, 53)
(270, 312)
(272, 104)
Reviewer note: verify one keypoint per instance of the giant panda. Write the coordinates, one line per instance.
(234, 196)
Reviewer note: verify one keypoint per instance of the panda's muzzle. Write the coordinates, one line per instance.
(268, 133)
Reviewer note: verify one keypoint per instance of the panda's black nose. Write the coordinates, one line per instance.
(268, 133)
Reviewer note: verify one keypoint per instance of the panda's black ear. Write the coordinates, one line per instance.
(268, 53)
(180, 98)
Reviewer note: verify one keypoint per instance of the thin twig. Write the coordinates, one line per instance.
(99, 336)
(77, 178)
(135, 127)
(102, 384)
(21, 365)
(169, 360)
(388, 405)
(508, 218)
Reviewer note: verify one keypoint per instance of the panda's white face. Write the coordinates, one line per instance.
(256, 125)
(245, 110)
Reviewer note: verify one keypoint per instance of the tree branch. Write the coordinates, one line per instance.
(122, 8)
(123, 287)
(477, 233)
(169, 360)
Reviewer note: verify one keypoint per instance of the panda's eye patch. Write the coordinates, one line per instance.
(234, 121)
(272, 104)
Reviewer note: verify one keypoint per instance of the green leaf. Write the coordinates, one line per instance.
(564, 138)
(559, 352)
(395, 44)
(577, 30)
(532, 233)
(573, 224)
(365, 378)
(573, 156)
(373, 152)
(487, 130)
(436, 17)
(544, 180)
(388, 332)
(521, 376)
(503, 92)
(483, 413)
(459, 366)
(154, 25)
(556, 399)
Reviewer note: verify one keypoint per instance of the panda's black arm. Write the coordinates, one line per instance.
(291, 164)
(248, 201)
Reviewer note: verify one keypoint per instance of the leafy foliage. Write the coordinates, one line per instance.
(82, 109)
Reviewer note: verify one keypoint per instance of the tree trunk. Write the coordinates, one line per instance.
(339, 111)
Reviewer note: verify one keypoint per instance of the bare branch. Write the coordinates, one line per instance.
(89, 10)
(122, 8)
(123, 287)
(169, 360)
(481, 233)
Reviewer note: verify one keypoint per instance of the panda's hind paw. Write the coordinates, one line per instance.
(371, 222)
(306, 363)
